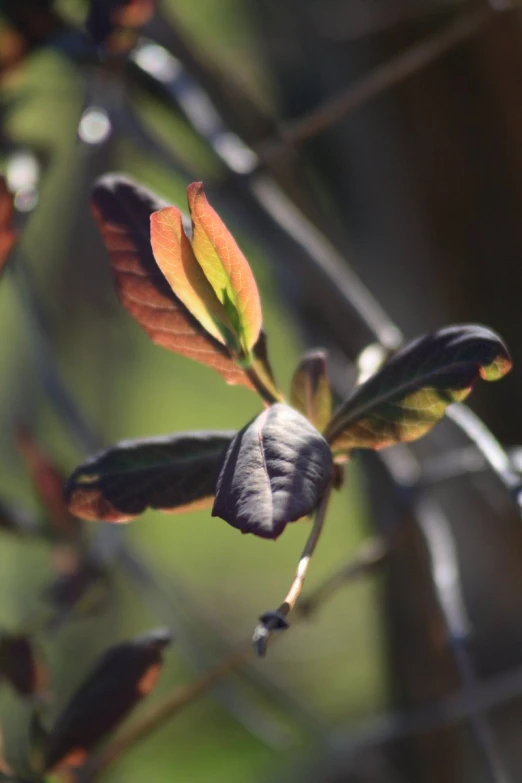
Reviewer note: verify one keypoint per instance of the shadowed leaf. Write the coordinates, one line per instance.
(174, 473)
(7, 232)
(175, 257)
(225, 267)
(123, 676)
(107, 15)
(22, 665)
(48, 483)
(18, 521)
(274, 472)
(122, 209)
(310, 392)
(82, 590)
(410, 393)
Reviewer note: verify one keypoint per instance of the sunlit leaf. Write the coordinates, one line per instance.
(410, 393)
(310, 392)
(22, 665)
(7, 232)
(174, 473)
(225, 267)
(123, 676)
(48, 483)
(274, 472)
(122, 209)
(175, 257)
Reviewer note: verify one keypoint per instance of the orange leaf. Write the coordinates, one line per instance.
(123, 209)
(224, 265)
(177, 261)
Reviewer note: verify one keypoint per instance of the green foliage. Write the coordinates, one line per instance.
(407, 396)
(278, 467)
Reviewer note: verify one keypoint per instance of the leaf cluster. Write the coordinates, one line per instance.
(124, 675)
(187, 283)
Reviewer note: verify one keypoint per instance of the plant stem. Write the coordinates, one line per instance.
(377, 81)
(272, 621)
(365, 561)
(262, 384)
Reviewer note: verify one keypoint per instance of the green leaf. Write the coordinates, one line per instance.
(175, 473)
(310, 392)
(410, 393)
(225, 267)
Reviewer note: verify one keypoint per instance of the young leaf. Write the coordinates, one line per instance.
(175, 257)
(121, 678)
(21, 665)
(7, 232)
(225, 267)
(122, 209)
(274, 472)
(48, 483)
(310, 392)
(404, 399)
(174, 473)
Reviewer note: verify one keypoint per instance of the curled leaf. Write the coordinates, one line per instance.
(225, 267)
(174, 473)
(310, 393)
(122, 209)
(274, 472)
(124, 675)
(410, 393)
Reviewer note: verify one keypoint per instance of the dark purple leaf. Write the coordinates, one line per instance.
(174, 473)
(274, 472)
(123, 676)
(21, 665)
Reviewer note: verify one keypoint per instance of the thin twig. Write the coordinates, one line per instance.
(276, 621)
(445, 572)
(365, 561)
(494, 454)
(377, 81)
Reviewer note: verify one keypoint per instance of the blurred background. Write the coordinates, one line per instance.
(342, 141)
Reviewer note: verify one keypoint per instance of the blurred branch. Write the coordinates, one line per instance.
(381, 78)
(365, 561)
(109, 545)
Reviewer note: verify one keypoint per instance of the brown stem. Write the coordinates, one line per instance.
(370, 555)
